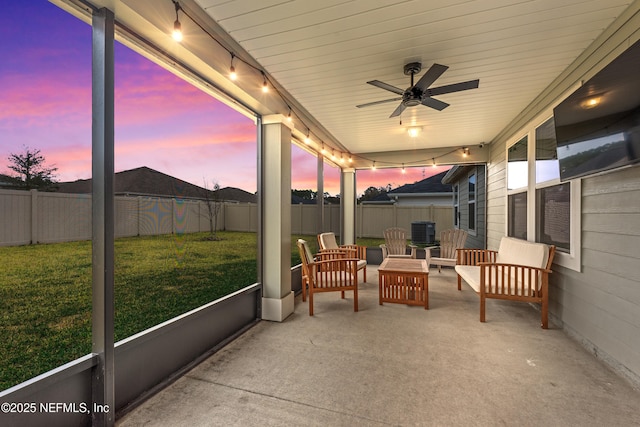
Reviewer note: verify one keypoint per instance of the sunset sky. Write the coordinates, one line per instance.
(161, 121)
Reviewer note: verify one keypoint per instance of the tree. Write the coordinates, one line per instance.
(305, 194)
(372, 192)
(31, 170)
(212, 201)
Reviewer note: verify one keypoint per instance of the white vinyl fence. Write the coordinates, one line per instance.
(39, 217)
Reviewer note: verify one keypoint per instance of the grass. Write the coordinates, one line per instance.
(45, 291)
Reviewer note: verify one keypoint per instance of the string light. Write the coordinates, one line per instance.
(178, 35)
(323, 151)
(373, 167)
(232, 70)
(333, 154)
(177, 27)
(433, 165)
(403, 170)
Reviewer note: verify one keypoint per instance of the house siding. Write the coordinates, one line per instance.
(478, 238)
(600, 304)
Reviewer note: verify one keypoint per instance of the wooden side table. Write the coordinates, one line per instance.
(404, 281)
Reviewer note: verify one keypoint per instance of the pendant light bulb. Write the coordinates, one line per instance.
(177, 27)
(232, 70)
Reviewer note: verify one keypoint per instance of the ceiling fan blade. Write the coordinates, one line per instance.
(434, 103)
(386, 86)
(368, 104)
(398, 110)
(456, 87)
(430, 76)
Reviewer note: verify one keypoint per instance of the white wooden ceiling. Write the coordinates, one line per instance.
(322, 53)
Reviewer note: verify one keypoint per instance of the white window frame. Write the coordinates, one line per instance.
(572, 259)
(518, 190)
(472, 231)
(456, 206)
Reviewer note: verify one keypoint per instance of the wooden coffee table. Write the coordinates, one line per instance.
(404, 281)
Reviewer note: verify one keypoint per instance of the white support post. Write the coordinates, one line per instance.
(275, 186)
(348, 206)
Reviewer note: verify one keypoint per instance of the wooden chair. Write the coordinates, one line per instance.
(450, 241)
(334, 274)
(327, 242)
(395, 244)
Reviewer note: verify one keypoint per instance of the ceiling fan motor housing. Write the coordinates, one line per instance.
(412, 97)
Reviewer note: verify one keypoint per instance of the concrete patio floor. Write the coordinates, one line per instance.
(398, 365)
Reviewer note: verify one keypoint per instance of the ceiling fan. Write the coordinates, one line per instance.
(420, 93)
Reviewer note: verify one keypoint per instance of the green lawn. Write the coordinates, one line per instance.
(45, 291)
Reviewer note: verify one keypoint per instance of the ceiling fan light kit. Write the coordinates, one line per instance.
(420, 93)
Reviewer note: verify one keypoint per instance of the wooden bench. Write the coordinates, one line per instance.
(517, 271)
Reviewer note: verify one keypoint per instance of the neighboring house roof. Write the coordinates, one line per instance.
(8, 182)
(455, 173)
(149, 182)
(430, 185)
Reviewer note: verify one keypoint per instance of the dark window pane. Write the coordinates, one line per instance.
(554, 216)
(518, 216)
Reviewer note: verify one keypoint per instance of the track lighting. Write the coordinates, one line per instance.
(232, 70)
(177, 27)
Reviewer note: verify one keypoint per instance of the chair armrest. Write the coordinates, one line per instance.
(413, 250)
(427, 252)
(384, 251)
(475, 256)
(513, 279)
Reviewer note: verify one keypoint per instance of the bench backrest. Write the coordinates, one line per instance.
(522, 252)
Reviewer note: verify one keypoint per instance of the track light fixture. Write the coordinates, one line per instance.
(177, 27)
